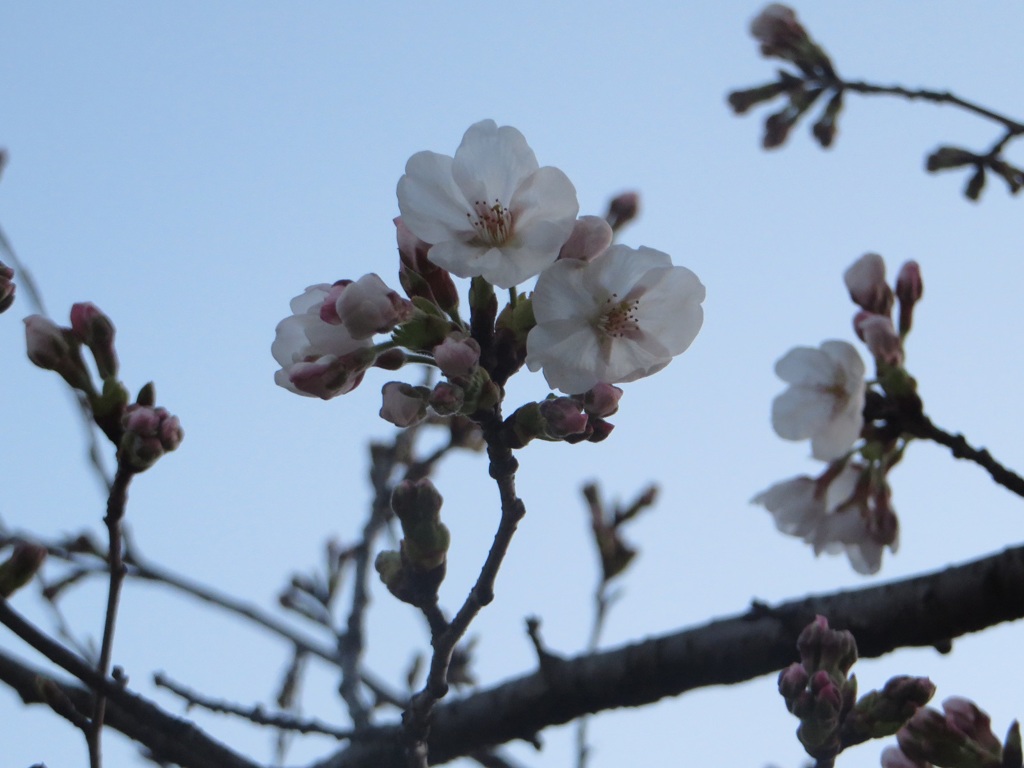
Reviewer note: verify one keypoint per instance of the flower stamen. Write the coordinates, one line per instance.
(493, 223)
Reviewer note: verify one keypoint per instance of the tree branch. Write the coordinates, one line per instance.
(168, 738)
(927, 610)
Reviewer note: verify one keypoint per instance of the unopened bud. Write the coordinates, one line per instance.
(149, 433)
(563, 417)
(96, 331)
(457, 356)
(949, 157)
(742, 100)
(417, 504)
(825, 129)
(403, 404)
(623, 208)
(975, 184)
(822, 648)
(368, 306)
(865, 280)
(879, 334)
(909, 289)
(591, 235)
(446, 399)
(602, 400)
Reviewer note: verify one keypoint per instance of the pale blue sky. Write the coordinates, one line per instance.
(190, 167)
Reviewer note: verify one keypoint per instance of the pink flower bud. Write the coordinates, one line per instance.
(402, 404)
(420, 276)
(45, 343)
(778, 31)
(96, 331)
(563, 417)
(602, 400)
(878, 333)
(446, 399)
(368, 306)
(623, 208)
(865, 279)
(457, 357)
(149, 433)
(793, 680)
(591, 235)
(329, 310)
(909, 289)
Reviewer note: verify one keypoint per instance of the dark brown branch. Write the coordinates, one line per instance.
(1013, 127)
(168, 738)
(417, 719)
(961, 449)
(927, 610)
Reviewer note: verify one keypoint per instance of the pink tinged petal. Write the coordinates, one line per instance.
(845, 355)
(433, 207)
(491, 162)
(591, 236)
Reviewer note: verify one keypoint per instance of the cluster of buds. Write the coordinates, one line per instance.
(958, 737)
(946, 158)
(141, 431)
(781, 36)
(819, 690)
(149, 432)
(414, 573)
(865, 280)
(7, 287)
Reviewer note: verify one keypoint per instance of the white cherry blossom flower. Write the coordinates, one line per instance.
(317, 359)
(825, 399)
(618, 317)
(491, 211)
(835, 513)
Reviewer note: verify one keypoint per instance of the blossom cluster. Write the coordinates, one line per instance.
(600, 313)
(847, 508)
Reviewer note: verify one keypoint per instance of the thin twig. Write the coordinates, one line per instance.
(256, 713)
(1012, 126)
(115, 514)
(924, 428)
(502, 468)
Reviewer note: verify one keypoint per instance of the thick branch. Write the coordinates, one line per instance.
(926, 610)
(168, 738)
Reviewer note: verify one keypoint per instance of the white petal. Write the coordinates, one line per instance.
(491, 162)
(806, 365)
(433, 207)
(798, 413)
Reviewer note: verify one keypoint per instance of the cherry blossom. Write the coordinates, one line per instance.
(836, 512)
(825, 400)
(491, 211)
(317, 359)
(618, 317)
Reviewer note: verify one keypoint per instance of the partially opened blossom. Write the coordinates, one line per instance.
(834, 513)
(317, 359)
(619, 317)
(365, 307)
(491, 211)
(825, 400)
